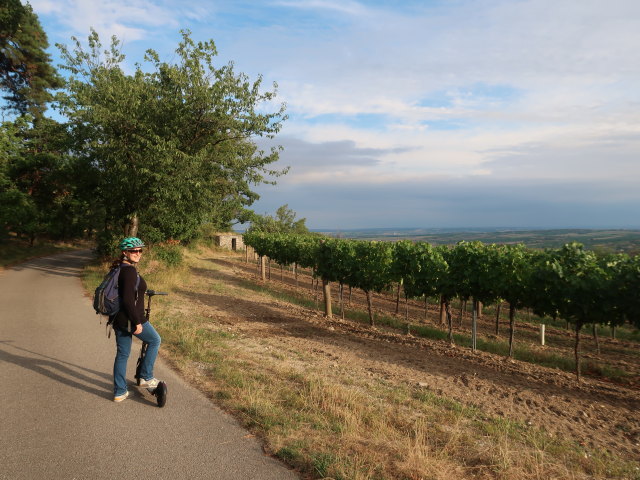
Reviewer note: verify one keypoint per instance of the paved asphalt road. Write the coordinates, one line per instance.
(57, 416)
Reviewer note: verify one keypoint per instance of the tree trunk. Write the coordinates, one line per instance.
(498, 308)
(613, 331)
(443, 313)
(577, 350)
(398, 298)
(370, 306)
(474, 324)
(281, 273)
(350, 289)
(135, 223)
(406, 313)
(426, 308)
(406, 308)
(315, 291)
(512, 327)
(295, 272)
(447, 309)
(326, 290)
(131, 228)
(595, 338)
(342, 300)
(463, 307)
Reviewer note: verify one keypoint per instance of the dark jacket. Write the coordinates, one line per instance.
(131, 302)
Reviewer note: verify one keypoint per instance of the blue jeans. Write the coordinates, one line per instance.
(123, 349)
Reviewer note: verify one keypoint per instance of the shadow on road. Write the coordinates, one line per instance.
(69, 374)
(65, 265)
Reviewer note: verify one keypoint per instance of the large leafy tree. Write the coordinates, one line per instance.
(26, 73)
(35, 196)
(171, 146)
(16, 208)
(39, 182)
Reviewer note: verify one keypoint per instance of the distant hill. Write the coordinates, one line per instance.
(627, 241)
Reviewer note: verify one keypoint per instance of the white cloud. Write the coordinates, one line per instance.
(382, 93)
(46, 6)
(129, 21)
(537, 46)
(344, 6)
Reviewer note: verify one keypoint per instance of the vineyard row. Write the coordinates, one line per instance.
(569, 282)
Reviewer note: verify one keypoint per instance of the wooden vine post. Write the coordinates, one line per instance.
(326, 290)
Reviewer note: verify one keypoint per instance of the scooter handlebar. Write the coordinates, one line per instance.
(151, 293)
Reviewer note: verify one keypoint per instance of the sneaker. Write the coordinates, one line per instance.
(151, 383)
(119, 398)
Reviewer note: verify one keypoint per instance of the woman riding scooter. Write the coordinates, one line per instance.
(131, 320)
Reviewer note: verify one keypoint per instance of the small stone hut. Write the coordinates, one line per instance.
(232, 241)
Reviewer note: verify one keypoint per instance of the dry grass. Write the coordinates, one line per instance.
(327, 419)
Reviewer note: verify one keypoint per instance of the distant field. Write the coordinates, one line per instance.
(605, 240)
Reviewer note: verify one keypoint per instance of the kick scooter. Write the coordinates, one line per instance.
(160, 392)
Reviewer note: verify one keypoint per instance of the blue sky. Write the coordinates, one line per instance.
(456, 113)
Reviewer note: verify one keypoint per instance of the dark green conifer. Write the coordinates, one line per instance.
(26, 73)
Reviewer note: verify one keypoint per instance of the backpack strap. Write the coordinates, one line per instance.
(137, 279)
(137, 284)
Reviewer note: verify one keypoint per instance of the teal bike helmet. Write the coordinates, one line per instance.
(130, 242)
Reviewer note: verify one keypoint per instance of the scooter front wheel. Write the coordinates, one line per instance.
(161, 394)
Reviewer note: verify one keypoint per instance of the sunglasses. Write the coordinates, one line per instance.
(137, 250)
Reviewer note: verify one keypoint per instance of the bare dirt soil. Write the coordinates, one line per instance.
(595, 413)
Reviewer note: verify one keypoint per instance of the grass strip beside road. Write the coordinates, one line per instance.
(333, 422)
